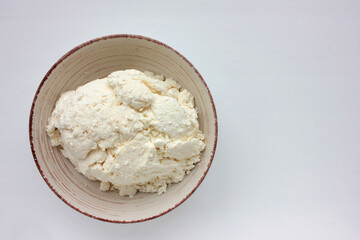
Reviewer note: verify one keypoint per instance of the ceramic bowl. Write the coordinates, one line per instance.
(96, 59)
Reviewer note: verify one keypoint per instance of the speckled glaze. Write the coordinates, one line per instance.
(96, 59)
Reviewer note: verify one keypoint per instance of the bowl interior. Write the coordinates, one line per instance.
(96, 59)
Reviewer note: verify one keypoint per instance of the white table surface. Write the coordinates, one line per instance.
(285, 77)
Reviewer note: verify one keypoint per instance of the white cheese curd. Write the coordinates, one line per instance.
(132, 131)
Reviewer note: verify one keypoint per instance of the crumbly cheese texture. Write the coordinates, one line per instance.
(132, 131)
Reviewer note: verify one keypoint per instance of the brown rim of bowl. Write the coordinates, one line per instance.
(67, 55)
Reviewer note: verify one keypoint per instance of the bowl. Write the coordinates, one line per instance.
(96, 59)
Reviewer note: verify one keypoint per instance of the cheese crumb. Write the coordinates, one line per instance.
(132, 131)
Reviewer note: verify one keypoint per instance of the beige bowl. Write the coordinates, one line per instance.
(96, 59)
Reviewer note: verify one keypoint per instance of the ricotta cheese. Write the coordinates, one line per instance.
(132, 131)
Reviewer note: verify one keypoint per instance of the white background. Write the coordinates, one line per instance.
(285, 77)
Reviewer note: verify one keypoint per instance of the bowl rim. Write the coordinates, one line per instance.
(47, 76)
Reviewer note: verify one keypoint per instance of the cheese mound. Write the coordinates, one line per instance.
(132, 131)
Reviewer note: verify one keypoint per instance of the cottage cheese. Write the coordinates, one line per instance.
(132, 131)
